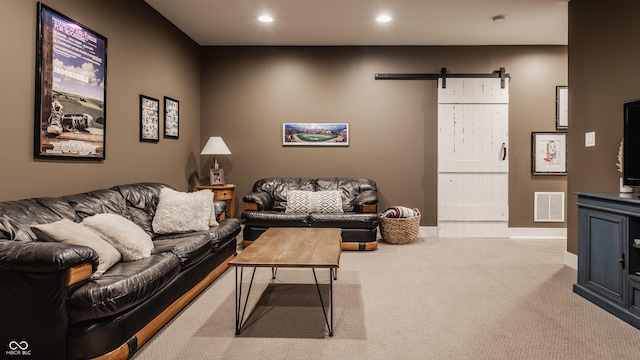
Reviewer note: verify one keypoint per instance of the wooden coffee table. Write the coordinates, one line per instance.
(291, 248)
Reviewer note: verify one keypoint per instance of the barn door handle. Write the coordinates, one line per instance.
(504, 151)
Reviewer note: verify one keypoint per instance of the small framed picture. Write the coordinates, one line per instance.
(171, 118)
(216, 177)
(562, 107)
(149, 119)
(549, 153)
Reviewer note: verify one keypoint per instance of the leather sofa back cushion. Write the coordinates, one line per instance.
(142, 200)
(305, 202)
(16, 217)
(279, 188)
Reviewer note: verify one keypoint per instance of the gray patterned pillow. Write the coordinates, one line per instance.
(305, 202)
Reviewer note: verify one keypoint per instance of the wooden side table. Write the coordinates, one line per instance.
(223, 192)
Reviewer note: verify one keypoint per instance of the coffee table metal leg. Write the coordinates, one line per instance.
(239, 315)
(324, 312)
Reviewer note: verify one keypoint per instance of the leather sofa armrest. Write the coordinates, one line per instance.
(220, 206)
(35, 279)
(258, 200)
(43, 257)
(366, 202)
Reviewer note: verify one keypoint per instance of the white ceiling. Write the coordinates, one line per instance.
(352, 22)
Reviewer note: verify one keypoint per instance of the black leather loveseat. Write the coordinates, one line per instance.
(270, 205)
(50, 307)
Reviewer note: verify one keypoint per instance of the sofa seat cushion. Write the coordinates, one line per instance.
(189, 248)
(226, 229)
(122, 287)
(269, 218)
(346, 220)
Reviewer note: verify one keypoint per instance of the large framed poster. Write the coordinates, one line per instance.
(71, 76)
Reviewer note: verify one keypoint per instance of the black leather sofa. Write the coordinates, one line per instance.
(265, 207)
(51, 309)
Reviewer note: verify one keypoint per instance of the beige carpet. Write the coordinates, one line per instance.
(434, 299)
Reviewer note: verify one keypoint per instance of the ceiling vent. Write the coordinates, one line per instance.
(548, 207)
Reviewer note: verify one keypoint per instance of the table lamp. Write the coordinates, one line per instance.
(216, 146)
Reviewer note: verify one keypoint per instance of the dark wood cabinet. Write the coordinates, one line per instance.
(609, 253)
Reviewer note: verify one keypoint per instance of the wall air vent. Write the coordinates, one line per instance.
(548, 207)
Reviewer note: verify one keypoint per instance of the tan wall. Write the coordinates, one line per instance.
(248, 92)
(146, 55)
(604, 73)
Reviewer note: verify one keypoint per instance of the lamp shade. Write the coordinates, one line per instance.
(215, 146)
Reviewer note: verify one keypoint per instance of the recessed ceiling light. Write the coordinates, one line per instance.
(383, 18)
(265, 19)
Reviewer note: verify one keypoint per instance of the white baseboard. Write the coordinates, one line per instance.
(428, 231)
(571, 260)
(514, 233)
(537, 233)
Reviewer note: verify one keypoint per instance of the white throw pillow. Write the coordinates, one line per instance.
(304, 202)
(183, 212)
(129, 239)
(69, 232)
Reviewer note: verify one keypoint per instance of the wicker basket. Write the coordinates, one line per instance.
(399, 230)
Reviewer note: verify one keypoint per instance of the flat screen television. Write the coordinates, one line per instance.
(631, 144)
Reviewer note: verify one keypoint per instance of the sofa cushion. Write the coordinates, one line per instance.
(189, 248)
(345, 221)
(16, 217)
(349, 187)
(69, 232)
(87, 204)
(279, 188)
(304, 202)
(128, 238)
(270, 218)
(124, 286)
(142, 200)
(182, 212)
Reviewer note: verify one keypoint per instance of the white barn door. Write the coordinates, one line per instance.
(473, 168)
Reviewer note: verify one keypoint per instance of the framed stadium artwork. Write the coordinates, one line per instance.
(71, 77)
(315, 134)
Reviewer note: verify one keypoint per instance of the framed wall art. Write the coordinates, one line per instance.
(548, 153)
(171, 118)
(71, 88)
(562, 107)
(149, 119)
(315, 134)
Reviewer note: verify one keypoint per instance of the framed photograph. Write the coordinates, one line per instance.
(315, 134)
(149, 119)
(562, 108)
(216, 177)
(71, 88)
(171, 118)
(549, 153)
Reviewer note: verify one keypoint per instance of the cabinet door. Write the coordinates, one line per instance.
(602, 250)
